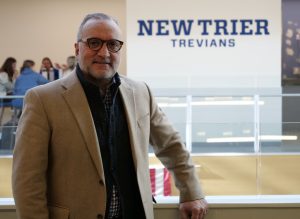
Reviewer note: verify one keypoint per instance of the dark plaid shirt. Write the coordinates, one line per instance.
(105, 134)
(115, 203)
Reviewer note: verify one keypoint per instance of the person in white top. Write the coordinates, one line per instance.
(7, 74)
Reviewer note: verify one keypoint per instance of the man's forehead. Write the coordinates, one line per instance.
(102, 29)
(103, 23)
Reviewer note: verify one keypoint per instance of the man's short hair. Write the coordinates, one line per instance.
(95, 16)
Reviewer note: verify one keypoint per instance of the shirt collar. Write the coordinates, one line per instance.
(115, 81)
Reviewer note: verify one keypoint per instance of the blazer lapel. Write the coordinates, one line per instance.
(76, 99)
(127, 94)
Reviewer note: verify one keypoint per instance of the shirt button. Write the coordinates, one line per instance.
(101, 182)
(100, 216)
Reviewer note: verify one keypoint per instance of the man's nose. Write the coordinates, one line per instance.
(103, 51)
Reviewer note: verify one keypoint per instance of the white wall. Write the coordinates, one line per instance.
(254, 61)
(33, 29)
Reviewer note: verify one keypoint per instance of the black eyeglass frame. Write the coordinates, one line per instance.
(102, 42)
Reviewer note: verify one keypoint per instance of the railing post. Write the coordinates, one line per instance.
(256, 124)
(257, 148)
(188, 130)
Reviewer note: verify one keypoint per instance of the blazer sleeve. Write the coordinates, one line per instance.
(171, 151)
(30, 160)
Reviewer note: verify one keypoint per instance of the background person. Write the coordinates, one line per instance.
(48, 70)
(7, 74)
(67, 68)
(27, 79)
(82, 142)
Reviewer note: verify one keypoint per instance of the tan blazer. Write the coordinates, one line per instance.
(57, 167)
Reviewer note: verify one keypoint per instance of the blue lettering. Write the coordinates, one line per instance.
(213, 43)
(204, 22)
(144, 26)
(221, 25)
(218, 27)
(262, 25)
(182, 43)
(161, 26)
(199, 42)
(245, 27)
(173, 42)
(233, 22)
(223, 42)
(191, 42)
(231, 43)
(182, 25)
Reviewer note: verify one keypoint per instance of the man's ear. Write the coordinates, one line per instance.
(76, 45)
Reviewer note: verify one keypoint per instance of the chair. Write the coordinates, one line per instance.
(4, 103)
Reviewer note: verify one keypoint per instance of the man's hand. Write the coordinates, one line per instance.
(194, 209)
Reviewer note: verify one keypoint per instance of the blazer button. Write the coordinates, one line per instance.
(101, 182)
(99, 216)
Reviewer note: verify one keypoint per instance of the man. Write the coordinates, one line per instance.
(82, 142)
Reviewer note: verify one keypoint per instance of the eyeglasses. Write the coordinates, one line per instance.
(96, 44)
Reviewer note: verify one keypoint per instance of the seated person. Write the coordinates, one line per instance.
(48, 70)
(7, 74)
(27, 79)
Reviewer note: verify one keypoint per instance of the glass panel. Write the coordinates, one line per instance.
(223, 149)
(279, 174)
(222, 124)
(222, 136)
(280, 124)
(175, 109)
(9, 115)
(279, 163)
